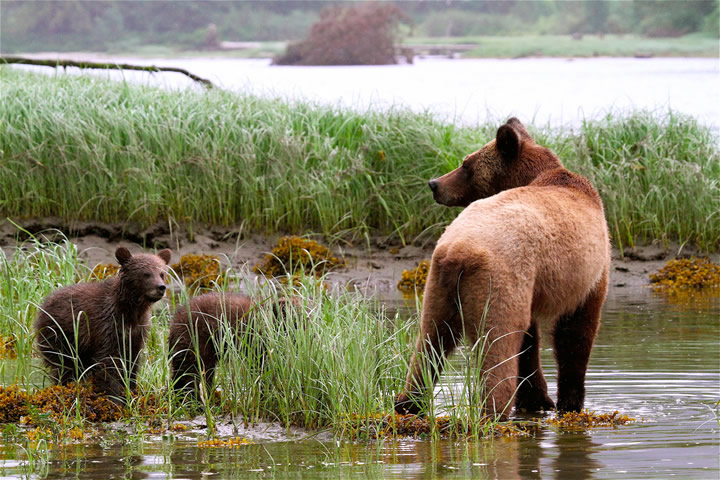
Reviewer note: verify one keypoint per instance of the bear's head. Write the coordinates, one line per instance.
(512, 160)
(144, 274)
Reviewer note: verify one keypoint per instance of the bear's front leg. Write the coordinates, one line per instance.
(107, 375)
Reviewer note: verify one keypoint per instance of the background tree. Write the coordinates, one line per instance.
(363, 34)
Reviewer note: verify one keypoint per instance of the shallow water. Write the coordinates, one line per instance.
(656, 359)
(554, 91)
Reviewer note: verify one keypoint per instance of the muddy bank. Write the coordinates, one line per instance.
(373, 268)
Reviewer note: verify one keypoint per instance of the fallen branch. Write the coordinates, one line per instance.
(106, 66)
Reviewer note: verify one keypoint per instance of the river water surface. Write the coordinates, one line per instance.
(656, 359)
(540, 91)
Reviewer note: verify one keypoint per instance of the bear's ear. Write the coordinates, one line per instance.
(165, 255)
(123, 255)
(519, 127)
(507, 142)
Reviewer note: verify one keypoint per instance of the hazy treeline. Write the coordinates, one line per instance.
(122, 25)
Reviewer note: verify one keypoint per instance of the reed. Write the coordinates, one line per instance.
(83, 148)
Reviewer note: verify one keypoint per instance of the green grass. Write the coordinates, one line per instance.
(82, 148)
(495, 46)
(588, 46)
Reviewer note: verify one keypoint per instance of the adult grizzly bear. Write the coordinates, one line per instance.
(99, 328)
(532, 245)
(200, 332)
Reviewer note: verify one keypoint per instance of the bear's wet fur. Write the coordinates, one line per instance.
(97, 330)
(194, 339)
(532, 245)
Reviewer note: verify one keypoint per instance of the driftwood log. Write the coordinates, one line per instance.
(106, 66)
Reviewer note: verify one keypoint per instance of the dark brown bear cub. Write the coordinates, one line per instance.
(201, 331)
(97, 330)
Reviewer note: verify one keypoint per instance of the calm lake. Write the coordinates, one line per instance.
(540, 91)
(656, 359)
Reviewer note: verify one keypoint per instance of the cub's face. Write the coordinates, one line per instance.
(511, 160)
(144, 274)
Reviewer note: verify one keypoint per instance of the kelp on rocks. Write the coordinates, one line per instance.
(293, 255)
(687, 273)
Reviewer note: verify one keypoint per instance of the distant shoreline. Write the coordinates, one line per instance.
(533, 46)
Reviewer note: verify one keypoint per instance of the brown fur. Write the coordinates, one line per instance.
(533, 244)
(108, 320)
(200, 332)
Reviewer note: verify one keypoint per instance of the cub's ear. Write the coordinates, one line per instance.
(507, 142)
(166, 255)
(123, 255)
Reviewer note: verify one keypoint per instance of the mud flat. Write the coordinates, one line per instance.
(374, 268)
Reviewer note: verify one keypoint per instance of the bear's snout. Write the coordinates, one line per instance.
(157, 293)
(433, 184)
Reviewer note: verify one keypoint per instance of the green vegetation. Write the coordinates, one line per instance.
(125, 26)
(693, 45)
(82, 148)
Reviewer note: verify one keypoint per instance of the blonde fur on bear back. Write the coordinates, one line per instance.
(546, 243)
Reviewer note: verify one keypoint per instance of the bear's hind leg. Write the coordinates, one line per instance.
(574, 337)
(532, 393)
(440, 330)
(500, 361)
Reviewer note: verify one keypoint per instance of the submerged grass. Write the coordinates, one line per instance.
(83, 148)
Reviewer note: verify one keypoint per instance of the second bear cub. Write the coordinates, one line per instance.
(196, 337)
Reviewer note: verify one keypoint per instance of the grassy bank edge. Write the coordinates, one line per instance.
(148, 155)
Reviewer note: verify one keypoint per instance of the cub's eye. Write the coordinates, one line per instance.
(147, 275)
(162, 275)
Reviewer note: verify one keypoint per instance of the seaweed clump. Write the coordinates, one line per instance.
(59, 400)
(687, 273)
(8, 348)
(14, 404)
(229, 443)
(55, 402)
(199, 271)
(390, 426)
(413, 281)
(103, 271)
(294, 255)
(580, 421)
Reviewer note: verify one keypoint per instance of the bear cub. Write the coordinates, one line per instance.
(201, 331)
(97, 330)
